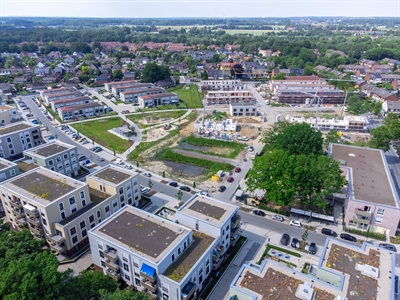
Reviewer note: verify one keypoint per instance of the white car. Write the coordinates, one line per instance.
(119, 161)
(295, 223)
(147, 174)
(204, 193)
(145, 190)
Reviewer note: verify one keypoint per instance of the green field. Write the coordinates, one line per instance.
(189, 94)
(156, 117)
(97, 131)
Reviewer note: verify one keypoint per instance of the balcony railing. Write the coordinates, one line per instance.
(56, 239)
(16, 205)
(217, 263)
(34, 221)
(112, 265)
(111, 255)
(149, 278)
(18, 213)
(58, 248)
(21, 222)
(32, 213)
(236, 221)
(188, 290)
(234, 239)
(362, 213)
(37, 231)
(113, 274)
(217, 252)
(149, 285)
(361, 221)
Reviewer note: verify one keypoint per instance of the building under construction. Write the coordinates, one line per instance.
(290, 96)
(355, 123)
(228, 97)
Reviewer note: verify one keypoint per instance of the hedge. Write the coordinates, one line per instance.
(373, 235)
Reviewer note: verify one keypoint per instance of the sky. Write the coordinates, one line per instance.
(199, 8)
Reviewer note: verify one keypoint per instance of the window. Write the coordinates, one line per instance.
(101, 254)
(127, 277)
(61, 206)
(73, 230)
(51, 162)
(380, 212)
(136, 263)
(101, 187)
(82, 193)
(83, 203)
(121, 190)
(65, 155)
(58, 159)
(128, 186)
(73, 209)
(72, 200)
(184, 245)
(74, 239)
(84, 233)
(103, 264)
(98, 213)
(107, 208)
(122, 198)
(63, 215)
(44, 221)
(179, 250)
(82, 224)
(92, 225)
(173, 257)
(114, 203)
(126, 267)
(60, 166)
(91, 218)
(72, 154)
(137, 282)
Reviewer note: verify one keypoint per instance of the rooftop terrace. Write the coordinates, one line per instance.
(142, 232)
(178, 270)
(370, 176)
(112, 174)
(14, 128)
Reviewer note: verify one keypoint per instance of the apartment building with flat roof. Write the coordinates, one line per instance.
(154, 100)
(371, 202)
(117, 90)
(109, 85)
(18, 137)
(8, 169)
(325, 96)
(55, 105)
(168, 260)
(222, 85)
(229, 97)
(9, 114)
(132, 96)
(68, 113)
(344, 271)
(62, 96)
(242, 109)
(56, 156)
(61, 209)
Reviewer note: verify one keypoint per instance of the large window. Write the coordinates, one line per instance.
(73, 230)
(82, 224)
(380, 212)
(72, 200)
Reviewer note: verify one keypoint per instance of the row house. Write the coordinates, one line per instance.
(351, 68)
(367, 63)
(68, 113)
(116, 90)
(228, 97)
(110, 85)
(55, 105)
(155, 100)
(376, 93)
(48, 92)
(62, 96)
(304, 80)
(133, 95)
(391, 106)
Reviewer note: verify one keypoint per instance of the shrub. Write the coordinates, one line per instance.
(373, 235)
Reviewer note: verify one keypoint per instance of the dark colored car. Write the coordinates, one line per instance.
(173, 183)
(98, 149)
(237, 170)
(312, 249)
(329, 232)
(185, 188)
(230, 179)
(222, 188)
(388, 247)
(285, 239)
(259, 213)
(295, 243)
(348, 237)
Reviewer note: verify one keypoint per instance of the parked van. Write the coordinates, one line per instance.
(119, 161)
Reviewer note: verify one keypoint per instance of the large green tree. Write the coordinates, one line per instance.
(331, 137)
(381, 138)
(153, 73)
(124, 295)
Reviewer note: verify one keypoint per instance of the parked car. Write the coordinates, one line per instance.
(204, 193)
(329, 232)
(94, 148)
(85, 142)
(119, 161)
(285, 239)
(147, 174)
(82, 158)
(229, 179)
(221, 188)
(237, 170)
(36, 122)
(295, 223)
(185, 188)
(278, 218)
(259, 213)
(145, 190)
(52, 137)
(174, 184)
(100, 159)
(388, 247)
(49, 118)
(295, 243)
(123, 112)
(312, 248)
(251, 149)
(348, 237)
(29, 115)
(98, 150)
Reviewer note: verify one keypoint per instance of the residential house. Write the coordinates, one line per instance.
(391, 106)
(8, 169)
(56, 104)
(265, 53)
(325, 96)
(222, 85)
(166, 83)
(17, 137)
(109, 85)
(116, 90)
(371, 202)
(228, 97)
(242, 109)
(62, 96)
(332, 52)
(132, 95)
(368, 63)
(158, 99)
(9, 114)
(216, 74)
(42, 71)
(87, 110)
(376, 93)
(102, 79)
(230, 47)
(5, 88)
(47, 92)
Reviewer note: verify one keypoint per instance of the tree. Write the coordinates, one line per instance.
(117, 74)
(80, 47)
(308, 70)
(204, 75)
(377, 109)
(194, 184)
(163, 174)
(123, 295)
(150, 183)
(179, 195)
(392, 123)
(269, 136)
(299, 139)
(331, 137)
(153, 73)
(380, 138)
(304, 236)
(83, 78)
(279, 76)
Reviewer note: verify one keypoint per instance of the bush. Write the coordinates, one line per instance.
(373, 235)
(269, 247)
(274, 210)
(305, 268)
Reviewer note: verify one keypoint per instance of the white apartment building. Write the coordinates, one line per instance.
(117, 90)
(132, 96)
(242, 109)
(158, 99)
(168, 260)
(87, 110)
(55, 105)
(109, 85)
(45, 93)
(9, 114)
(62, 96)
(222, 85)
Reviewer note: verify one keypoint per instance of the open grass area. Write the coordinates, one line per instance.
(216, 147)
(156, 117)
(213, 166)
(98, 131)
(189, 94)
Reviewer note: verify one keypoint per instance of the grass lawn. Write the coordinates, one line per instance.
(56, 116)
(97, 131)
(189, 94)
(156, 117)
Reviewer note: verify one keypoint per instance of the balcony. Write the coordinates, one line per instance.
(38, 231)
(56, 239)
(152, 287)
(18, 213)
(58, 248)
(113, 274)
(217, 263)
(112, 265)
(234, 239)
(217, 252)
(235, 230)
(362, 221)
(362, 213)
(32, 213)
(188, 290)
(16, 205)
(235, 221)
(111, 255)
(21, 222)
(34, 221)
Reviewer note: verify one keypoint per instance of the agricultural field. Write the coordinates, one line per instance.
(189, 94)
(98, 131)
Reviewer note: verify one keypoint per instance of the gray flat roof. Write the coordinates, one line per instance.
(142, 232)
(4, 164)
(369, 173)
(48, 150)
(112, 174)
(207, 209)
(14, 128)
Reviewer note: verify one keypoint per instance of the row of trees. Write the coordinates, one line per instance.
(383, 135)
(294, 167)
(28, 271)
